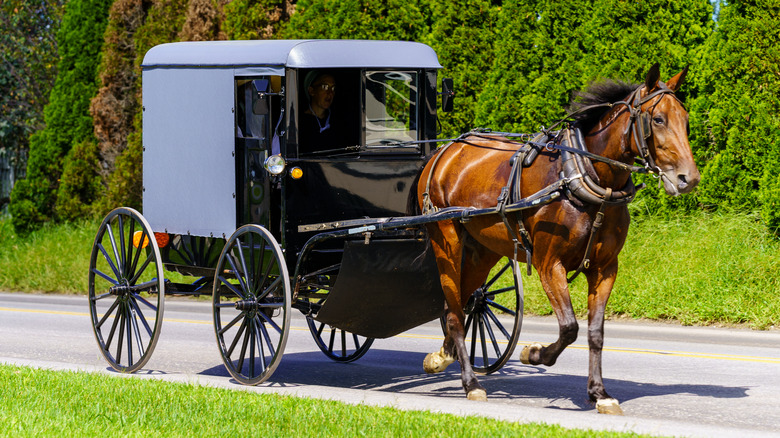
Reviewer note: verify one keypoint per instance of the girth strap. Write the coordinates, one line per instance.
(585, 264)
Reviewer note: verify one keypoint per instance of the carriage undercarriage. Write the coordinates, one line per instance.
(253, 293)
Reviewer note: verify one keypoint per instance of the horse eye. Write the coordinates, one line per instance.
(658, 120)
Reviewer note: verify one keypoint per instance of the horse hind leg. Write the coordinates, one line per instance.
(438, 361)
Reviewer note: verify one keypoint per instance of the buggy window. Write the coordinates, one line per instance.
(391, 107)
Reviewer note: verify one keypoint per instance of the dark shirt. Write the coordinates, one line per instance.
(314, 138)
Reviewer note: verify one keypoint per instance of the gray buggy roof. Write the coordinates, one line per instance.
(292, 53)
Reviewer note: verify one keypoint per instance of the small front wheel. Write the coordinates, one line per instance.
(251, 300)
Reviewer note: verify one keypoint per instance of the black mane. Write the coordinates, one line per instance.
(596, 93)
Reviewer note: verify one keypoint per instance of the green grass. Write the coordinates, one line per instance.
(697, 269)
(700, 269)
(64, 403)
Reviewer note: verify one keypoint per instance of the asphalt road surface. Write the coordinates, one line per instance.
(670, 380)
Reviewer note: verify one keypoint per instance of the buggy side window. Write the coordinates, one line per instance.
(391, 107)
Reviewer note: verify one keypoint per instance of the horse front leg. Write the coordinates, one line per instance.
(553, 279)
(600, 282)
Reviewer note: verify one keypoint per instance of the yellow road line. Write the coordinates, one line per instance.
(756, 359)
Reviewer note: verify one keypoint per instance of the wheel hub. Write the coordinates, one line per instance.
(476, 302)
(248, 305)
(121, 290)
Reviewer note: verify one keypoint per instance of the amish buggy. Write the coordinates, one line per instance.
(305, 174)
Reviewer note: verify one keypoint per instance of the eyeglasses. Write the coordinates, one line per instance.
(326, 87)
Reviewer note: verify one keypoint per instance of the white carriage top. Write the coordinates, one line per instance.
(292, 54)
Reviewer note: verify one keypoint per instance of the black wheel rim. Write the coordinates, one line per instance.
(126, 290)
(494, 315)
(338, 344)
(251, 304)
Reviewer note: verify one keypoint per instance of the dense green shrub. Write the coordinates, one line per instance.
(358, 19)
(462, 34)
(737, 128)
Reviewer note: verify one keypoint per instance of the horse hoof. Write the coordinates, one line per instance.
(527, 350)
(477, 395)
(437, 362)
(609, 406)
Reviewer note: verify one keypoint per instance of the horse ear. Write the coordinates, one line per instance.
(653, 76)
(675, 82)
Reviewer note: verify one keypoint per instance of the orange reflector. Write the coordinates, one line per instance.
(162, 239)
(296, 173)
(137, 239)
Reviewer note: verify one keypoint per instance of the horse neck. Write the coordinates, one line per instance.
(610, 138)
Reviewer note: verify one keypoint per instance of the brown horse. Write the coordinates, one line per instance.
(574, 233)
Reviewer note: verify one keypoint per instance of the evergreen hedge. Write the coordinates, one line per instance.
(515, 64)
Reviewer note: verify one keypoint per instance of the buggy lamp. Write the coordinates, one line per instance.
(275, 164)
(296, 173)
(162, 239)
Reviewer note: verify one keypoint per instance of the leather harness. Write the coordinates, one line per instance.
(578, 179)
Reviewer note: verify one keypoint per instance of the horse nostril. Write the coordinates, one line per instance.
(683, 182)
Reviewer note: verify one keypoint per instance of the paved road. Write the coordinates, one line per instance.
(671, 380)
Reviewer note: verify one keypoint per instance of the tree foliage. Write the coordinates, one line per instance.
(67, 117)
(28, 61)
(515, 65)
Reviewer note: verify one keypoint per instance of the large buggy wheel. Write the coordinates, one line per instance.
(126, 290)
(251, 304)
(490, 335)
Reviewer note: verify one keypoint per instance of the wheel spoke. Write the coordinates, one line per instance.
(104, 276)
(116, 254)
(246, 273)
(117, 319)
(232, 323)
(140, 272)
(121, 333)
(230, 286)
(489, 313)
(137, 333)
(140, 314)
(491, 335)
(108, 259)
(501, 308)
(123, 261)
(237, 337)
(483, 341)
(270, 321)
(239, 276)
(497, 276)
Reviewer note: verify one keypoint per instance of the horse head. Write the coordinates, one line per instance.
(661, 125)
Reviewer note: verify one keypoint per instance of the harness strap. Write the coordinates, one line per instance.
(428, 206)
(585, 264)
(513, 185)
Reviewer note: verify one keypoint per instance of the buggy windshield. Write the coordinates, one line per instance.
(391, 107)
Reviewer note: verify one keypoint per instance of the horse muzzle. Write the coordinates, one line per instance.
(678, 182)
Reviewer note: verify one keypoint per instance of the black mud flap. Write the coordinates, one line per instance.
(384, 288)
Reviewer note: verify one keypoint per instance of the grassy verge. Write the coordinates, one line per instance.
(696, 269)
(49, 403)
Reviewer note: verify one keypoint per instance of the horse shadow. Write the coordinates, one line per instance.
(401, 372)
